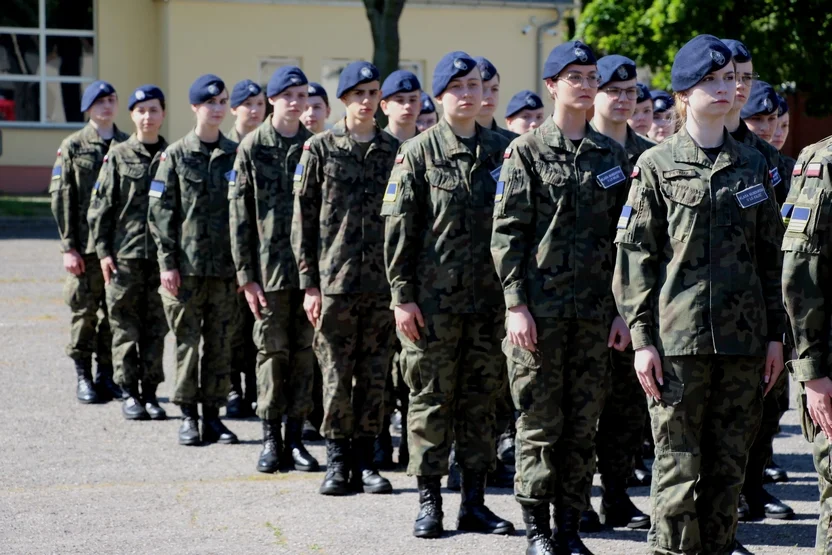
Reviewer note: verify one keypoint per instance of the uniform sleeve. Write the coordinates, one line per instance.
(242, 217)
(403, 215)
(769, 263)
(64, 193)
(640, 236)
(163, 213)
(103, 207)
(512, 230)
(306, 217)
(805, 282)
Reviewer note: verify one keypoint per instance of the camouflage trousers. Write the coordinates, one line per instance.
(352, 344)
(621, 425)
(703, 427)
(244, 351)
(138, 322)
(453, 372)
(396, 391)
(762, 449)
(284, 357)
(205, 308)
(85, 296)
(559, 390)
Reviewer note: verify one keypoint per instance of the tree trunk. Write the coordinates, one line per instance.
(383, 16)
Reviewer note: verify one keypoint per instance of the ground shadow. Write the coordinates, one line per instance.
(796, 534)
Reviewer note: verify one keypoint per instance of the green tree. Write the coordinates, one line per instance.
(790, 40)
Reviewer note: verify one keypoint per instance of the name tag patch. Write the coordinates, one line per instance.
(775, 176)
(786, 213)
(751, 196)
(157, 188)
(498, 194)
(611, 177)
(298, 173)
(231, 177)
(495, 173)
(391, 192)
(799, 220)
(624, 218)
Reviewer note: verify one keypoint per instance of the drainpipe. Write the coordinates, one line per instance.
(538, 62)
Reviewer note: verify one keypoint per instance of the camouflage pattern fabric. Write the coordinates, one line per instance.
(89, 332)
(779, 170)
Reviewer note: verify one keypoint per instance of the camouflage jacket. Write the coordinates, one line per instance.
(698, 268)
(636, 145)
(337, 229)
(554, 223)
(510, 135)
(73, 177)
(778, 170)
(188, 213)
(807, 247)
(118, 212)
(233, 135)
(438, 205)
(261, 204)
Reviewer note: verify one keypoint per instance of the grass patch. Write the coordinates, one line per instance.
(25, 207)
(278, 533)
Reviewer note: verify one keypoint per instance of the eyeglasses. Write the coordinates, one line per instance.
(748, 78)
(615, 92)
(577, 79)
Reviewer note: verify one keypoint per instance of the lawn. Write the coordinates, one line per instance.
(25, 206)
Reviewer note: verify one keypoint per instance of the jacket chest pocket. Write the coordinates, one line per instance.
(553, 179)
(445, 181)
(267, 181)
(86, 164)
(341, 177)
(192, 183)
(684, 204)
(134, 176)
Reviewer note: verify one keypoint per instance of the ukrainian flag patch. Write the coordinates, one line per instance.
(786, 213)
(624, 218)
(498, 194)
(56, 172)
(231, 177)
(799, 220)
(391, 192)
(157, 188)
(96, 187)
(298, 173)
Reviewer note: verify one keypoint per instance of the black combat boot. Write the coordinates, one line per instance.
(429, 520)
(106, 388)
(383, 447)
(762, 504)
(739, 549)
(365, 476)
(743, 512)
(505, 444)
(189, 430)
(213, 430)
(567, 538)
(295, 453)
(538, 529)
(234, 405)
(132, 409)
(474, 516)
(502, 476)
(269, 460)
(773, 474)
(336, 481)
(617, 509)
(641, 476)
(84, 390)
(590, 521)
(151, 403)
(454, 477)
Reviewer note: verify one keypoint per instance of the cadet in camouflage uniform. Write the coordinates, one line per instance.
(76, 170)
(188, 218)
(248, 105)
(118, 225)
(560, 190)
(337, 239)
(807, 248)
(697, 279)
(427, 114)
(642, 118)
(490, 98)
(525, 112)
(261, 204)
(624, 415)
(445, 296)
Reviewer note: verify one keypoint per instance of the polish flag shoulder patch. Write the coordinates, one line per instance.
(798, 169)
(635, 172)
(507, 153)
(814, 170)
(163, 156)
(306, 145)
(59, 153)
(399, 158)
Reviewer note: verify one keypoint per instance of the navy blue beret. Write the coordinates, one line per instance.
(95, 91)
(782, 106)
(572, 52)
(205, 88)
(400, 81)
(643, 93)
(702, 55)
(614, 68)
(283, 78)
(761, 100)
(487, 69)
(524, 100)
(739, 51)
(662, 101)
(427, 105)
(143, 93)
(242, 91)
(357, 73)
(316, 89)
(452, 65)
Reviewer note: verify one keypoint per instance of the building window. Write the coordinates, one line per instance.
(47, 59)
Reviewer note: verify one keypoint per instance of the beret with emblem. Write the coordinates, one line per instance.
(427, 105)
(702, 55)
(316, 89)
(739, 51)
(568, 53)
(643, 93)
(451, 66)
(242, 91)
(400, 81)
(487, 69)
(782, 106)
(615, 68)
(205, 88)
(662, 101)
(762, 100)
(145, 93)
(524, 100)
(357, 73)
(283, 78)
(96, 90)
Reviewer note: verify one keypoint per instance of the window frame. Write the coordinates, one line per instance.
(42, 32)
